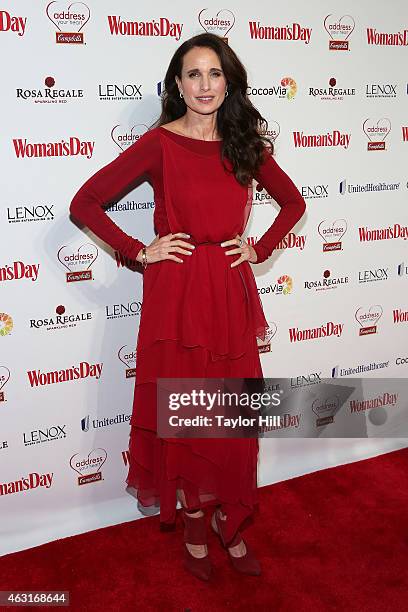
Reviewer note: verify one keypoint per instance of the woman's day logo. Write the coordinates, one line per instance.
(219, 24)
(78, 263)
(339, 30)
(69, 19)
(4, 378)
(368, 318)
(376, 133)
(332, 234)
(6, 324)
(128, 357)
(89, 467)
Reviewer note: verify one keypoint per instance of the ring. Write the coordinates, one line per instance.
(240, 242)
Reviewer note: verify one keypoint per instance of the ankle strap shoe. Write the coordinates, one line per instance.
(195, 532)
(246, 564)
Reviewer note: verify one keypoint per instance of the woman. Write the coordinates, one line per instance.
(201, 310)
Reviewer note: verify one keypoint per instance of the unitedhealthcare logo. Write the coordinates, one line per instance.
(85, 423)
(160, 88)
(338, 372)
(342, 187)
(368, 187)
(402, 269)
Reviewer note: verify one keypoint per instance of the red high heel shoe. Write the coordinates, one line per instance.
(246, 564)
(195, 532)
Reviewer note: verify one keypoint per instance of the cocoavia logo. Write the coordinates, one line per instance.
(6, 324)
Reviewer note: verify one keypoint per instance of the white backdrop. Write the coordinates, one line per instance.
(79, 87)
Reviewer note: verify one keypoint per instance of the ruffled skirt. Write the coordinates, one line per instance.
(195, 325)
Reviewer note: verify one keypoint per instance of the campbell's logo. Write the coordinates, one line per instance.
(32, 481)
(264, 345)
(217, 23)
(398, 39)
(287, 89)
(124, 137)
(79, 262)
(392, 232)
(312, 333)
(376, 133)
(332, 233)
(162, 27)
(24, 214)
(60, 320)
(399, 316)
(69, 18)
(12, 23)
(37, 378)
(368, 319)
(124, 91)
(329, 139)
(339, 29)
(49, 94)
(4, 378)
(294, 32)
(332, 91)
(89, 467)
(128, 357)
(6, 324)
(72, 147)
(18, 270)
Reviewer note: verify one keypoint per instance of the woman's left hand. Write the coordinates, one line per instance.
(246, 251)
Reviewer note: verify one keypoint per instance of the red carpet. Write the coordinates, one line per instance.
(333, 540)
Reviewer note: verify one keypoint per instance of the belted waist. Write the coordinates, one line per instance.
(196, 243)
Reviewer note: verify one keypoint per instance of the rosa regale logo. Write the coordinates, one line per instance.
(89, 467)
(124, 137)
(10, 22)
(82, 259)
(128, 357)
(376, 133)
(6, 324)
(368, 318)
(339, 31)
(68, 21)
(220, 23)
(332, 234)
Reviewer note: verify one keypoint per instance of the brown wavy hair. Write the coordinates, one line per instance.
(239, 123)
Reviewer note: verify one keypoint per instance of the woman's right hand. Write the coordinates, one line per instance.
(162, 248)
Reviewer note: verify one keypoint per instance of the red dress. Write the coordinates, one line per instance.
(199, 318)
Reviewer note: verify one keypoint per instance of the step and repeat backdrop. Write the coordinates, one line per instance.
(81, 81)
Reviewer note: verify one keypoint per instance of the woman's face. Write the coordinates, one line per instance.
(203, 82)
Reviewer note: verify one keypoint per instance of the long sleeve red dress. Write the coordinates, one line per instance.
(199, 318)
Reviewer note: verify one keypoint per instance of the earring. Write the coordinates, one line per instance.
(181, 95)
(226, 92)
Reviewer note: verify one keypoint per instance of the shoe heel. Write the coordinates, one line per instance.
(195, 532)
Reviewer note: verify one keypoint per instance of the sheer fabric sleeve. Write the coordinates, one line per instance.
(113, 182)
(292, 205)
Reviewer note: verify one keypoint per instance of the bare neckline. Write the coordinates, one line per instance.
(188, 137)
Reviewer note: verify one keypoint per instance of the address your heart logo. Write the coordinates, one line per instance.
(377, 131)
(368, 316)
(123, 136)
(339, 28)
(73, 16)
(219, 24)
(88, 464)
